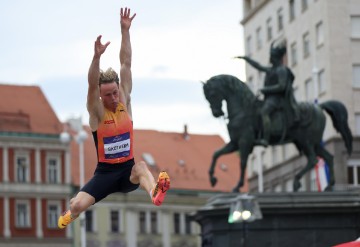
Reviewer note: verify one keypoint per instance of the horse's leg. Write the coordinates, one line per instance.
(245, 148)
(329, 159)
(228, 148)
(243, 159)
(309, 151)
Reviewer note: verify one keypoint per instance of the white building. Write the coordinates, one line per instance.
(323, 51)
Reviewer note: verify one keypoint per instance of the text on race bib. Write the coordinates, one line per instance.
(117, 146)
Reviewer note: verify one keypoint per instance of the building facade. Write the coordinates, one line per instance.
(35, 181)
(323, 51)
(131, 220)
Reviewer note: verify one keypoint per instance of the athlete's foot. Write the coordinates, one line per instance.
(65, 219)
(162, 185)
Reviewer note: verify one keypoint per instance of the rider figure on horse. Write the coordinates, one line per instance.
(277, 90)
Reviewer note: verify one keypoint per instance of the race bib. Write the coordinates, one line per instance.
(117, 146)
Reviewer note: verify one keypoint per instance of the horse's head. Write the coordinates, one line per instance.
(214, 95)
(236, 93)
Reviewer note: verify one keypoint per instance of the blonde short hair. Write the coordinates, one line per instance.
(108, 76)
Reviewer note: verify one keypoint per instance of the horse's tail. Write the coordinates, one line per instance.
(339, 117)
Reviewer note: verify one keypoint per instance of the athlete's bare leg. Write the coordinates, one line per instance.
(157, 191)
(80, 203)
(140, 174)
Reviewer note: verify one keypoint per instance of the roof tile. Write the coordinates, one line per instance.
(26, 109)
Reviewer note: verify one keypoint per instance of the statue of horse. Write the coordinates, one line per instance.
(244, 126)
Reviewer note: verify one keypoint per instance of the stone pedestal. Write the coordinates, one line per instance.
(303, 219)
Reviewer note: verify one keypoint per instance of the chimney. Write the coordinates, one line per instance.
(186, 134)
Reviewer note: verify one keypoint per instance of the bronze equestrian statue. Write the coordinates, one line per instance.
(302, 124)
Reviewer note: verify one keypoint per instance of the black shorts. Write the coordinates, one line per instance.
(110, 178)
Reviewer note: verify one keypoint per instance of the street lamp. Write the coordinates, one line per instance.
(243, 209)
(80, 137)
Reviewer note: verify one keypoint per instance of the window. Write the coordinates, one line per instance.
(53, 213)
(304, 5)
(291, 10)
(176, 223)
(306, 45)
(22, 214)
(22, 168)
(354, 171)
(309, 87)
(248, 46)
(280, 19)
(356, 76)
(53, 169)
(258, 38)
(187, 224)
(114, 221)
(268, 29)
(154, 229)
(293, 52)
(247, 5)
(89, 218)
(355, 26)
(357, 124)
(142, 222)
(319, 34)
(321, 81)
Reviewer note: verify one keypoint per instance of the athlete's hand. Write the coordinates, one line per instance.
(125, 19)
(99, 48)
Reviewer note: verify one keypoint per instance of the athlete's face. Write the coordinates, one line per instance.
(109, 93)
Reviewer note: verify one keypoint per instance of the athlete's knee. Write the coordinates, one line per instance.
(79, 204)
(139, 168)
(72, 200)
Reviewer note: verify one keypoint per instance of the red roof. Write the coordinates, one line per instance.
(26, 109)
(187, 161)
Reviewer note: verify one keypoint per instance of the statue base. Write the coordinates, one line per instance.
(299, 219)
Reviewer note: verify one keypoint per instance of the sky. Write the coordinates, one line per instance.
(176, 44)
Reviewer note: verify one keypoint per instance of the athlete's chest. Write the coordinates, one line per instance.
(115, 134)
(115, 122)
